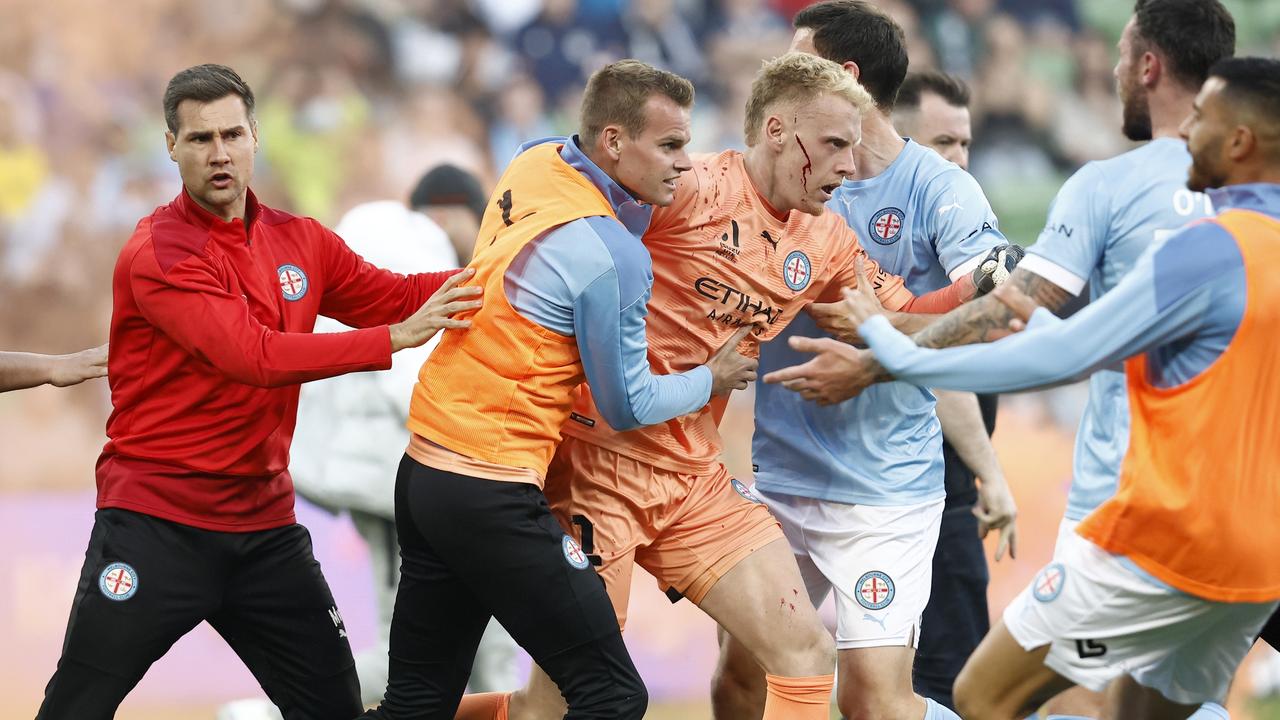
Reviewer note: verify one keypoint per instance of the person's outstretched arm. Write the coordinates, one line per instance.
(19, 370)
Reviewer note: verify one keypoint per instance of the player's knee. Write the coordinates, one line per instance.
(336, 698)
(810, 653)
(972, 702)
(868, 704)
(735, 680)
(630, 702)
(626, 697)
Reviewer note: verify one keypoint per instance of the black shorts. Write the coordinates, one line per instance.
(1271, 631)
(472, 548)
(955, 620)
(146, 582)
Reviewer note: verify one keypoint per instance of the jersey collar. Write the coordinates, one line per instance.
(633, 214)
(909, 149)
(1259, 197)
(198, 216)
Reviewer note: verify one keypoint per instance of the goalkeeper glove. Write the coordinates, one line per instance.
(995, 267)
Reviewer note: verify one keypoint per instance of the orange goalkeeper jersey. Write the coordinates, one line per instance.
(722, 259)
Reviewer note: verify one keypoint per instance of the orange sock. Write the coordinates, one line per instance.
(484, 706)
(798, 698)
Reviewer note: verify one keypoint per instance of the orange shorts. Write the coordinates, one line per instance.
(685, 530)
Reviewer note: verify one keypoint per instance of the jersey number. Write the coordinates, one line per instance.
(1090, 648)
(505, 205)
(588, 539)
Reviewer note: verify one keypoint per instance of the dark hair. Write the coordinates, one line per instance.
(449, 185)
(204, 83)
(1253, 82)
(950, 88)
(856, 30)
(617, 93)
(1192, 35)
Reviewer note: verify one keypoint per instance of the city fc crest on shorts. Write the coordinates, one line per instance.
(1048, 584)
(293, 282)
(744, 491)
(573, 553)
(874, 590)
(797, 270)
(886, 225)
(118, 581)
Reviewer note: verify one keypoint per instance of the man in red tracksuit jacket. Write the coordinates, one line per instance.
(215, 297)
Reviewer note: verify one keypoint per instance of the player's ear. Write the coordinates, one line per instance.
(170, 141)
(1242, 143)
(774, 131)
(610, 140)
(852, 68)
(1152, 69)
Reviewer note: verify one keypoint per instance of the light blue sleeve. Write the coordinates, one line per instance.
(1075, 235)
(609, 323)
(1042, 317)
(1172, 292)
(961, 222)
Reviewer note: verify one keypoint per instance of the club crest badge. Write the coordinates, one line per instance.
(293, 282)
(1048, 584)
(744, 491)
(886, 225)
(118, 581)
(874, 590)
(573, 553)
(797, 270)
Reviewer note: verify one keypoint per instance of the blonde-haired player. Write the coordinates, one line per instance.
(747, 243)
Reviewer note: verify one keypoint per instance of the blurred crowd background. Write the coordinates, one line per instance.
(356, 98)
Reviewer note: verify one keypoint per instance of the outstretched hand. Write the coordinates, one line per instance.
(437, 312)
(861, 302)
(75, 368)
(837, 372)
(841, 319)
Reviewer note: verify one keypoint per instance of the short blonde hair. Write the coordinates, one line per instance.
(799, 77)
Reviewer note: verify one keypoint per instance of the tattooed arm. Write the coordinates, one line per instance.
(987, 318)
(982, 320)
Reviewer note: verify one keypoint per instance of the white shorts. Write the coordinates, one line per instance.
(1066, 530)
(878, 559)
(1103, 617)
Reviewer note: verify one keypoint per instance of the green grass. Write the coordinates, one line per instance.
(1266, 709)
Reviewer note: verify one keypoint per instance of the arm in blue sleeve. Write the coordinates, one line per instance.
(1146, 309)
(1075, 235)
(960, 222)
(1042, 317)
(609, 323)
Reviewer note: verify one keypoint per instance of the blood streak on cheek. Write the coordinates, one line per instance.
(808, 165)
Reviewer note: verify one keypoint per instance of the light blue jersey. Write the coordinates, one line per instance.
(926, 220)
(1103, 218)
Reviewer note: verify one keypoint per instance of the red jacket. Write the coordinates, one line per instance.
(211, 336)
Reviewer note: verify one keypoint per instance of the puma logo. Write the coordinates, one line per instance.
(948, 208)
